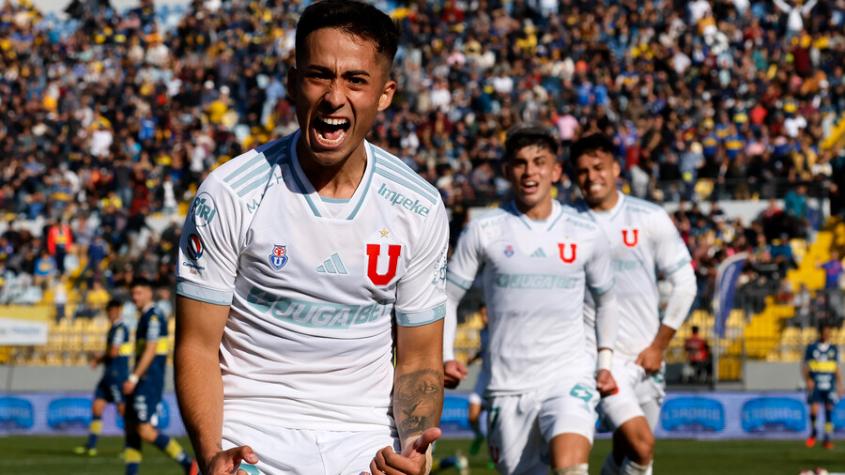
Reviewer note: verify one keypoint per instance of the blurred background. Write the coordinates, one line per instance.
(729, 113)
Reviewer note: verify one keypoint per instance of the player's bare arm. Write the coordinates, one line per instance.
(417, 399)
(199, 384)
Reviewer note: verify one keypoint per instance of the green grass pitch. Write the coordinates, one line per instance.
(53, 455)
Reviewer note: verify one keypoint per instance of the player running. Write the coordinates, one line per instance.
(645, 246)
(537, 259)
(303, 264)
(115, 361)
(824, 383)
(145, 386)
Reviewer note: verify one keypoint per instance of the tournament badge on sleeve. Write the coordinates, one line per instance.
(279, 256)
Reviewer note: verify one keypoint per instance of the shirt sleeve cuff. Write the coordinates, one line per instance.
(418, 319)
(203, 294)
(454, 279)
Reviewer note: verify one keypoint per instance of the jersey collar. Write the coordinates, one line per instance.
(532, 224)
(312, 198)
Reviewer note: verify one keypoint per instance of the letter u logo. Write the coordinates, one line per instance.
(569, 259)
(373, 251)
(634, 239)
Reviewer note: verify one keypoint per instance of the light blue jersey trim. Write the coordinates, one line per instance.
(460, 282)
(194, 291)
(262, 168)
(247, 165)
(257, 183)
(334, 201)
(418, 319)
(362, 194)
(404, 176)
(672, 269)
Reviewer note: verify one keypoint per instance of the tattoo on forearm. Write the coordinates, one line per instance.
(417, 401)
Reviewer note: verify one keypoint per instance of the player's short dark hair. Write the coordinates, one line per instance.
(695, 328)
(595, 142)
(113, 303)
(142, 282)
(527, 135)
(353, 17)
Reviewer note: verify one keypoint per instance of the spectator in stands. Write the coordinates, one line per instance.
(698, 356)
(833, 271)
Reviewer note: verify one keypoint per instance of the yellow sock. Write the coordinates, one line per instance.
(96, 427)
(174, 450)
(131, 455)
(828, 427)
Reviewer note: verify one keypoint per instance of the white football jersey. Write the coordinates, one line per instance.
(534, 275)
(314, 288)
(644, 241)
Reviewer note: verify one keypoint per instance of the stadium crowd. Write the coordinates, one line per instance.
(109, 120)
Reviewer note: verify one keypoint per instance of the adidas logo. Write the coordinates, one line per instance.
(538, 253)
(332, 265)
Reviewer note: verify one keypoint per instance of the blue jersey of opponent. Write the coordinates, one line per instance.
(117, 368)
(822, 360)
(152, 326)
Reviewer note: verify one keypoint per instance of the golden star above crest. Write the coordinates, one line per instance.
(384, 232)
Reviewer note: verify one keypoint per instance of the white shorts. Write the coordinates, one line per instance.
(520, 427)
(639, 394)
(307, 452)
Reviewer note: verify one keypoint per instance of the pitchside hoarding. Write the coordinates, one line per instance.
(734, 415)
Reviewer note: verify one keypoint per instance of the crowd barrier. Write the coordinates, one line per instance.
(701, 415)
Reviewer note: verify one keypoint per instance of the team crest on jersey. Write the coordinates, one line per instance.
(630, 237)
(509, 251)
(279, 256)
(195, 247)
(567, 253)
(373, 253)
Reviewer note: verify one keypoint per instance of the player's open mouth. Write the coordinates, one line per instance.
(530, 186)
(330, 131)
(596, 188)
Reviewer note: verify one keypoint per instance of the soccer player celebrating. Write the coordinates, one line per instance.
(115, 361)
(824, 383)
(537, 260)
(302, 265)
(645, 245)
(145, 386)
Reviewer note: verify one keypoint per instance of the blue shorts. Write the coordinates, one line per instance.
(142, 405)
(820, 396)
(109, 389)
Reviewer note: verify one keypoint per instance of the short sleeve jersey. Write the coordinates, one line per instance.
(644, 244)
(822, 360)
(117, 368)
(314, 287)
(534, 275)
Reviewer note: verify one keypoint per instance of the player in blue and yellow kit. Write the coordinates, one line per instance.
(115, 363)
(824, 383)
(145, 385)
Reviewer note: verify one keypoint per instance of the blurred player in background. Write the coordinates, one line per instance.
(537, 259)
(303, 265)
(115, 361)
(824, 382)
(144, 387)
(476, 396)
(645, 245)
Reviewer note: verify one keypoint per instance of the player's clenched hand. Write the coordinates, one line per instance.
(415, 458)
(226, 462)
(128, 387)
(605, 383)
(453, 373)
(651, 359)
